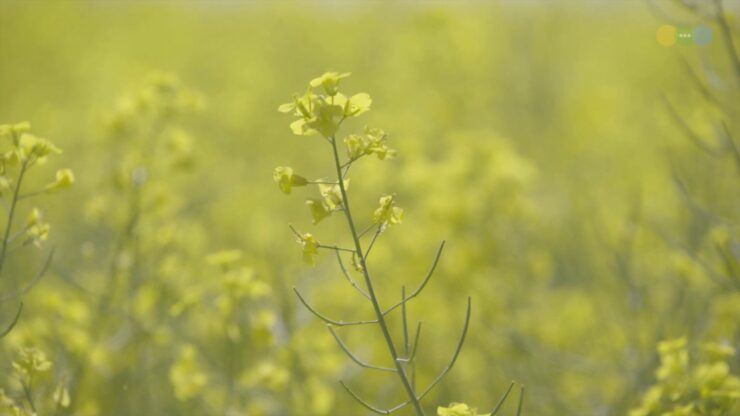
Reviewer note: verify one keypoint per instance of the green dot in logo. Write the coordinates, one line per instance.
(702, 35)
(685, 36)
(666, 35)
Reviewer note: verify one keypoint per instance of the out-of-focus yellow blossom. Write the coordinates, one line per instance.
(37, 230)
(388, 212)
(31, 361)
(32, 147)
(225, 258)
(64, 179)
(61, 396)
(459, 409)
(186, 374)
(718, 352)
(13, 132)
(286, 179)
(688, 387)
(266, 374)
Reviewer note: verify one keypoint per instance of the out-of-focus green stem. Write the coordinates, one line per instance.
(11, 213)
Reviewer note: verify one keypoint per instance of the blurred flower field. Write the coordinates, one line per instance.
(583, 174)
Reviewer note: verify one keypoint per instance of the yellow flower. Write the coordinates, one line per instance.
(323, 113)
(388, 212)
(459, 409)
(13, 132)
(372, 142)
(64, 179)
(330, 82)
(318, 209)
(332, 194)
(34, 217)
(36, 229)
(357, 105)
(30, 145)
(286, 179)
(310, 247)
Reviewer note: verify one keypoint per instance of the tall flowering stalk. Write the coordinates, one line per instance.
(321, 111)
(21, 152)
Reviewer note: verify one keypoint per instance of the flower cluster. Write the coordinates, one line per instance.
(20, 152)
(372, 142)
(323, 113)
(321, 110)
(26, 151)
(685, 388)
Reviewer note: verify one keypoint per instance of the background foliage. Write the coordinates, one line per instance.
(535, 138)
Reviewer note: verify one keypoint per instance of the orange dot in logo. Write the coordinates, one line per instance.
(666, 35)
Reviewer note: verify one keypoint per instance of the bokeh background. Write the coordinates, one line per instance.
(585, 177)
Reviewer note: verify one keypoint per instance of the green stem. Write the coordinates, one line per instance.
(11, 214)
(370, 290)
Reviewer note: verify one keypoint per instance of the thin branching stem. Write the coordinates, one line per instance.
(12, 324)
(423, 283)
(328, 320)
(370, 290)
(335, 248)
(416, 343)
(33, 282)
(500, 403)
(349, 278)
(687, 130)
(32, 194)
(351, 161)
(353, 357)
(405, 324)
(454, 356)
(412, 357)
(372, 242)
(727, 35)
(369, 406)
(367, 230)
(731, 142)
(521, 401)
(27, 391)
(11, 213)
